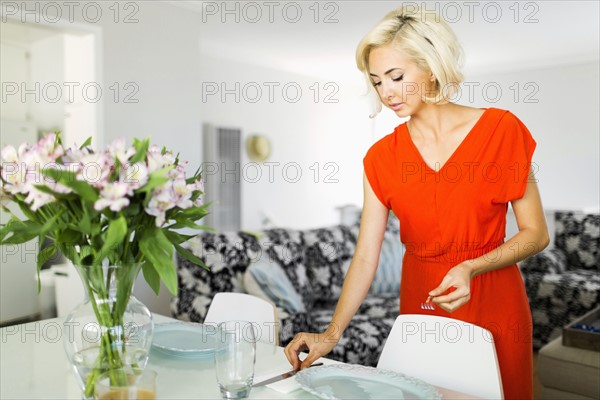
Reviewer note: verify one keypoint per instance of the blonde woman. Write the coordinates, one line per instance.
(448, 174)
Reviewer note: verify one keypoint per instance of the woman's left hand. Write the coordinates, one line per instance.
(459, 278)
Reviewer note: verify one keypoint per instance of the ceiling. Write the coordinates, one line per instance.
(497, 36)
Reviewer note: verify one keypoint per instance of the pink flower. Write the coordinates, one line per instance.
(114, 196)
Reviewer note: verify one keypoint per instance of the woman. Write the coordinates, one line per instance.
(448, 174)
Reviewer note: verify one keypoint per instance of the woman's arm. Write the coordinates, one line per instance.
(531, 238)
(356, 283)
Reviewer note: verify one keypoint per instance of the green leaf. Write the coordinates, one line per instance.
(155, 179)
(194, 213)
(141, 147)
(85, 224)
(175, 237)
(186, 223)
(87, 142)
(115, 234)
(69, 179)
(188, 255)
(22, 231)
(71, 236)
(151, 276)
(157, 249)
(44, 255)
(28, 213)
(50, 224)
(65, 196)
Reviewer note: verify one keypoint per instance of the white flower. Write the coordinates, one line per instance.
(14, 170)
(182, 194)
(113, 195)
(48, 149)
(9, 154)
(95, 168)
(199, 185)
(160, 202)
(157, 160)
(135, 175)
(37, 198)
(75, 155)
(118, 150)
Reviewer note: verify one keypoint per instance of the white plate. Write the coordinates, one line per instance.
(185, 339)
(346, 381)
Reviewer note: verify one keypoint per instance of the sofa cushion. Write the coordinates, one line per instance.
(285, 248)
(227, 255)
(363, 339)
(552, 260)
(578, 235)
(327, 254)
(556, 299)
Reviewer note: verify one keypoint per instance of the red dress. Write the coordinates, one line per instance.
(459, 213)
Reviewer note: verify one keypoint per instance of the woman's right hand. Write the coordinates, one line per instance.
(317, 345)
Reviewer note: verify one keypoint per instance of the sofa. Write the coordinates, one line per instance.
(301, 272)
(563, 281)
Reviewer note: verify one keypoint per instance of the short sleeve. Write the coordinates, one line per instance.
(374, 165)
(514, 157)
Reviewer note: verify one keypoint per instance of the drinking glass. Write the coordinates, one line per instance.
(235, 355)
(140, 385)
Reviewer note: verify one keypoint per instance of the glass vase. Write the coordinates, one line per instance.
(111, 330)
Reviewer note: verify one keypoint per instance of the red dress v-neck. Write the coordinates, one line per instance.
(459, 213)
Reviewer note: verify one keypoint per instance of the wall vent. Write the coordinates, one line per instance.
(222, 177)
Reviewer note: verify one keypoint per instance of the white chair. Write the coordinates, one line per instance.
(227, 306)
(444, 352)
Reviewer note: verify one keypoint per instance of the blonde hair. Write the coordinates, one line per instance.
(427, 39)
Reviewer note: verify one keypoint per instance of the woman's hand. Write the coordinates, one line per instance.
(317, 344)
(459, 278)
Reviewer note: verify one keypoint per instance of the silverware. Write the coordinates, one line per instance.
(428, 305)
(281, 377)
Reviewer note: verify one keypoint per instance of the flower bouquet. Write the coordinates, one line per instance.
(121, 207)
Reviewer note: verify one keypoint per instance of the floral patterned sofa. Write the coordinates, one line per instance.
(301, 272)
(563, 281)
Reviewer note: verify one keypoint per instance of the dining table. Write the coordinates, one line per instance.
(34, 365)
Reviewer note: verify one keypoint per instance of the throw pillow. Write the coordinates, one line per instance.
(267, 280)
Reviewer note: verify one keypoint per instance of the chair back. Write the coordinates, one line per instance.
(444, 352)
(228, 306)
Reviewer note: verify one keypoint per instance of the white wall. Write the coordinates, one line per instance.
(560, 106)
(317, 145)
(160, 59)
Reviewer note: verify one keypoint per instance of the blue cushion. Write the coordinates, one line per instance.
(273, 281)
(387, 277)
